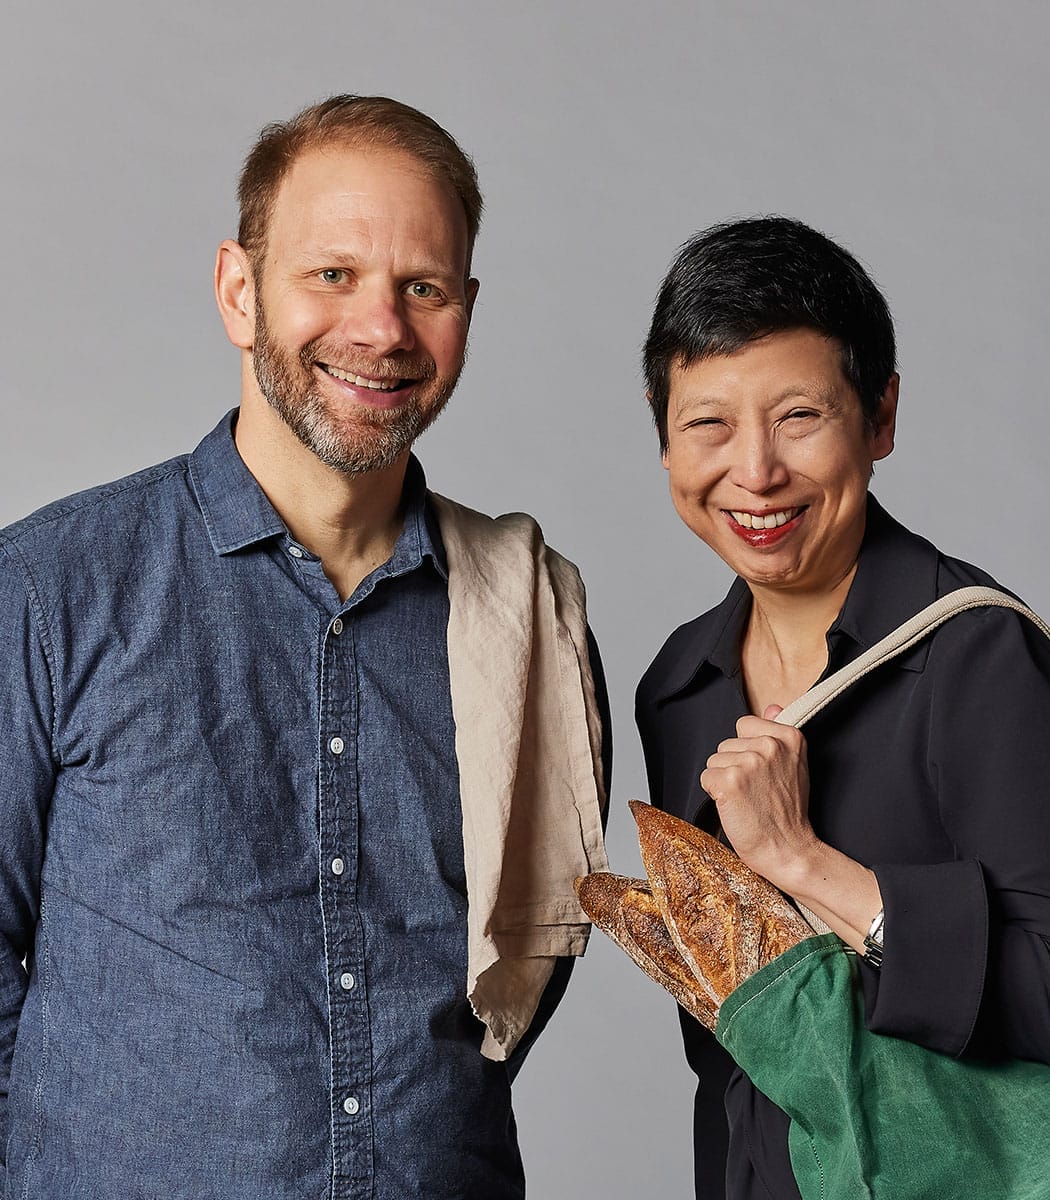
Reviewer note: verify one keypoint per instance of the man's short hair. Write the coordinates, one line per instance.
(742, 280)
(370, 122)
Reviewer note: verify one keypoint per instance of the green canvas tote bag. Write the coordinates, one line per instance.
(871, 1115)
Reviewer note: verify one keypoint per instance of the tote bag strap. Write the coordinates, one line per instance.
(799, 711)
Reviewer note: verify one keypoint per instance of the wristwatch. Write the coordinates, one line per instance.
(873, 942)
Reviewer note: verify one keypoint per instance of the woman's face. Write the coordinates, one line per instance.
(769, 458)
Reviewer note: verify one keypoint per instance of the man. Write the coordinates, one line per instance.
(289, 837)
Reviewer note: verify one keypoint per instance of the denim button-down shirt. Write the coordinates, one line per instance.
(232, 857)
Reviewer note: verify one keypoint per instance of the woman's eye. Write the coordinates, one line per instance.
(422, 291)
(333, 275)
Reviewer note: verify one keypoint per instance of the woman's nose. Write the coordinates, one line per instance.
(757, 465)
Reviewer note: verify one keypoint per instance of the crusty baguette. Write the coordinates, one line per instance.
(627, 911)
(726, 921)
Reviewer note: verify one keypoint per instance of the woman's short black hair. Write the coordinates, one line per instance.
(741, 280)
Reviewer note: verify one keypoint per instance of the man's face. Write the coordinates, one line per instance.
(361, 304)
(769, 458)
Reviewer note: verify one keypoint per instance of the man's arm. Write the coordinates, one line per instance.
(559, 981)
(27, 772)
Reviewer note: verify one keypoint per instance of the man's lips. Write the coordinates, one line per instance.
(368, 389)
(764, 528)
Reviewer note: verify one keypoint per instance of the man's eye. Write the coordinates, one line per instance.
(334, 275)
(422, 291)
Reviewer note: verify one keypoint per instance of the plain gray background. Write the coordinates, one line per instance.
(604, 134)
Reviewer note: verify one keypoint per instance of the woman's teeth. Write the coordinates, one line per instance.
(766, 520)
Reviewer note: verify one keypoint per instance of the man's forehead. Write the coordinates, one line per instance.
(316, 165)
(335, 194)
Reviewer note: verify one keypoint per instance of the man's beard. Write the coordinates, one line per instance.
(351, 438)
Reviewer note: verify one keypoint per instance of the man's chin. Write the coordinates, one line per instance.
(372, 445)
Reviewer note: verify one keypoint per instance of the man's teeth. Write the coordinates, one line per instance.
(767, 520)
(378, 385)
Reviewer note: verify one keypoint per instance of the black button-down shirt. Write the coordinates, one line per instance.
(934, 771)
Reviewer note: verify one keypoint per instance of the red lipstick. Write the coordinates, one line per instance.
(763, 537)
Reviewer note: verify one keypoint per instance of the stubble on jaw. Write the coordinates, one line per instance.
(367, 439)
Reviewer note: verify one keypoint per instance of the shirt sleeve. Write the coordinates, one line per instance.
(559, 980)
(26, 783)
(601, 696)
(967, 956)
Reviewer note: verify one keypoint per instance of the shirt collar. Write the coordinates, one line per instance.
(420, 537)
(235, 509)
(896, 577)
(237, 513)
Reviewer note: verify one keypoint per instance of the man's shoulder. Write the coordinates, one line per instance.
(512, 533)
(104, 514)
(508, 526)
(505, 554)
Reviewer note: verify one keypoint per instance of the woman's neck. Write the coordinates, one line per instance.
(784, 651)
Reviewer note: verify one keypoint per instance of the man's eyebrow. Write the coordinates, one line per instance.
(341, 256)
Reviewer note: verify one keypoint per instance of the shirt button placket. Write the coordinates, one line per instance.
(349, 1033)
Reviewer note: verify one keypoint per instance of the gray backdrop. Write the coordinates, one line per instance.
(604, 133)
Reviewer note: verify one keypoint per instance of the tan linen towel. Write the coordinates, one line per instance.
(528, 744)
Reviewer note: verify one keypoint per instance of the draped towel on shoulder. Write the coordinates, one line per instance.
(528, 744)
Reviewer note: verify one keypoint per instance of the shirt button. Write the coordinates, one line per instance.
(337, 626)
(350, 1105)
(337, 745)
(346, 981)
(295, 552)
(338, 866)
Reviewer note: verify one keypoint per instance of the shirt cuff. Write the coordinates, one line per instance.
(930, 986)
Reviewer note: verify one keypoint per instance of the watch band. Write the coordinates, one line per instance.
(873, 942)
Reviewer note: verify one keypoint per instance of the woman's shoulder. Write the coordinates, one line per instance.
(989, 641)
(706, 637)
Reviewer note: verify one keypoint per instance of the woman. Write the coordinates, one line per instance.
(921, 797)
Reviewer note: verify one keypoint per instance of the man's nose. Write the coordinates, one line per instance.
(376, 319)
(757, 466)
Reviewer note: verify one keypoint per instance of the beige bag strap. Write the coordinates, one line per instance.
(799, 711)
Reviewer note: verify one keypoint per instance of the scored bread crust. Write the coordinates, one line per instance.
(726, 921)
(626, 910)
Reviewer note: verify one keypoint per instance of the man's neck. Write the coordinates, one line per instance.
(351, 522)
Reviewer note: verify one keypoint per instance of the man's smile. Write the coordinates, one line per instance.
(378, 385)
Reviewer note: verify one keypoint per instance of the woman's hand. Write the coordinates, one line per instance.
(760, 782)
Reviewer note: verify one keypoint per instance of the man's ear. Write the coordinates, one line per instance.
(886, 420)
(472, 295)
(235, 293)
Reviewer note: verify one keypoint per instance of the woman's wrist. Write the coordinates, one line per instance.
(838, 889)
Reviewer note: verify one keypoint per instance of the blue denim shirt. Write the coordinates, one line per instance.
(232, 857)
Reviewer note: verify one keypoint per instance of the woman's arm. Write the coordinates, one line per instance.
(967, 961)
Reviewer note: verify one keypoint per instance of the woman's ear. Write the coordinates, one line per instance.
(885, 420)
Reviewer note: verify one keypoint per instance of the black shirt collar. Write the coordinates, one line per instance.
(896, 577)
